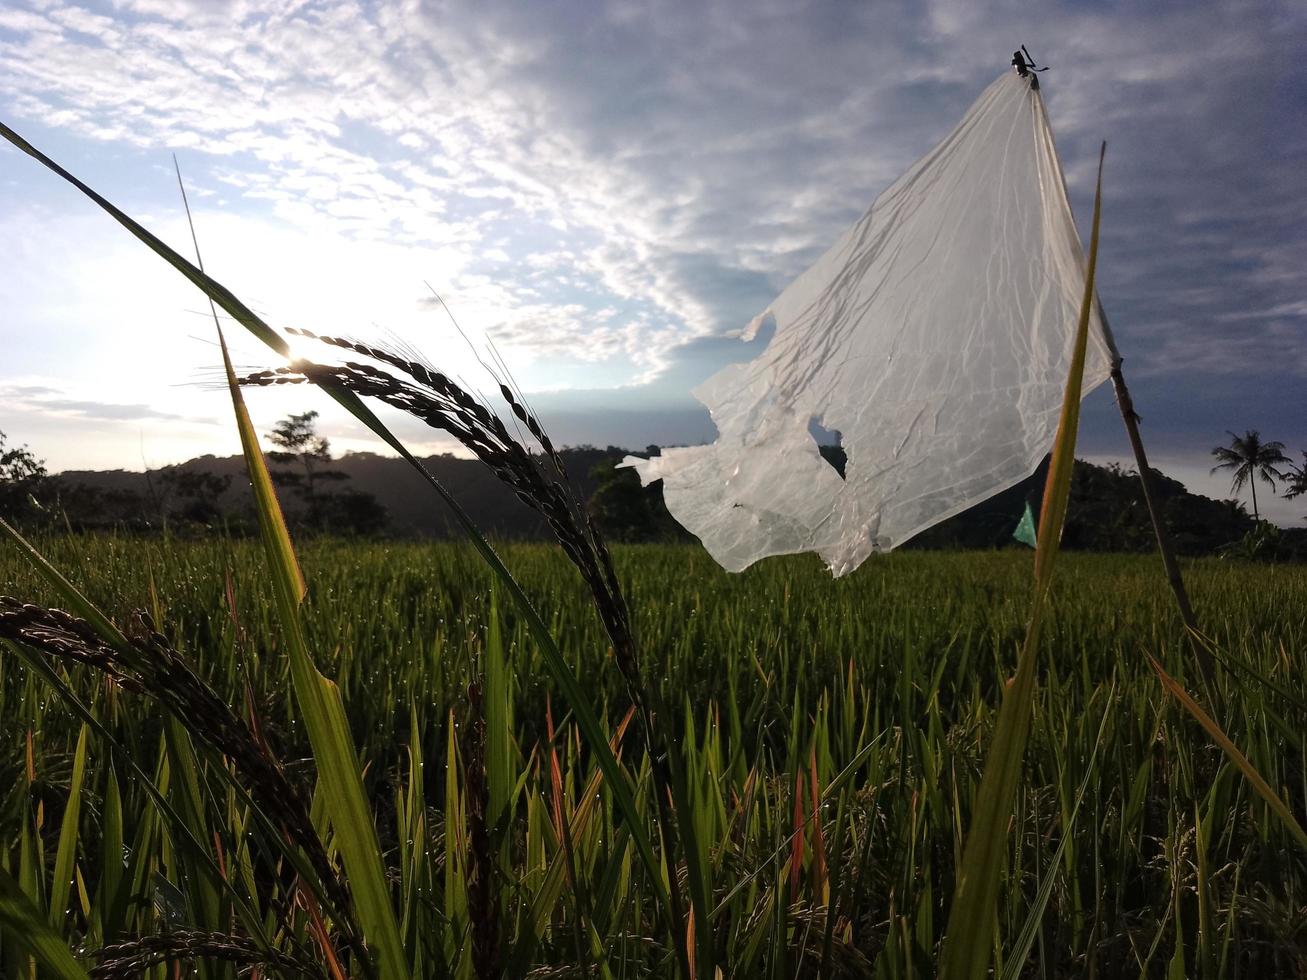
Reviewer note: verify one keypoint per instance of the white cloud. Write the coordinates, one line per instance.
(598, 185)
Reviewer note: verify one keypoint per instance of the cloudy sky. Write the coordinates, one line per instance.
(609, 191)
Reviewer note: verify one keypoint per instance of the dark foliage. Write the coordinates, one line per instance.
(198, 494)
(309, 476)
(22, 479)
(383, 495)
(1106, 512)
(626, 511)
(1295, 475)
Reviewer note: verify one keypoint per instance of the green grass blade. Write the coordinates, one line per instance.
(285, 566)
(969, 939)
(67, 851)
(697, 866)
(1057, 490)
(456, 849)
(22, 924)
(189, 801)
(1255, 779)
(501, 774)
(110, 902)
(1020, 952)
(177, 827)
(77, 602)
(324, 716)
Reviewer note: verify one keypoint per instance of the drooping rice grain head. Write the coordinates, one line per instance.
(128, 960)
(441, 403)
(163, 674)
(62, 636)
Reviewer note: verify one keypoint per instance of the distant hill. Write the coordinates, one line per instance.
(1106, 510)
(412, 509)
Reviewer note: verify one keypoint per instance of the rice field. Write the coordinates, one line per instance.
(830, 734)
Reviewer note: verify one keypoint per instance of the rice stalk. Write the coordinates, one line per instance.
(441, 403)
(482, 890)
(340, 777)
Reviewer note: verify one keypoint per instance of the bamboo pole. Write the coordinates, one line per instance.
(1172, 567)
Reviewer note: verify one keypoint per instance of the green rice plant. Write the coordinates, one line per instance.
(28, 930)
(31, 631)
(323, 710)
(401, 627)
(1255, 779)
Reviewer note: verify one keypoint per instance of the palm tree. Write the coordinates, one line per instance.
(1296, 477)
(1249, 458)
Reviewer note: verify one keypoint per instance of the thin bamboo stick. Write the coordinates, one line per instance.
(1172, 567)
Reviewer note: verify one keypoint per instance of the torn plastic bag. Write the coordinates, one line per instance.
(934, 337)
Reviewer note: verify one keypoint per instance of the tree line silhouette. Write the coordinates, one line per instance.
(367, 495)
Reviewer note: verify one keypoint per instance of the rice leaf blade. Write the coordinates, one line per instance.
(324, 716)
(67, 850)
(1217, 733)
(1016, 959)
(22, 923)
(969, 938)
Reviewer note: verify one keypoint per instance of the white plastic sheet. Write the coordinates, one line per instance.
(935, 337)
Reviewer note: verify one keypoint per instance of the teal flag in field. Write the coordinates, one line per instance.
(1025, 532)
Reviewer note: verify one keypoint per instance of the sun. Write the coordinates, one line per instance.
(302, 349)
